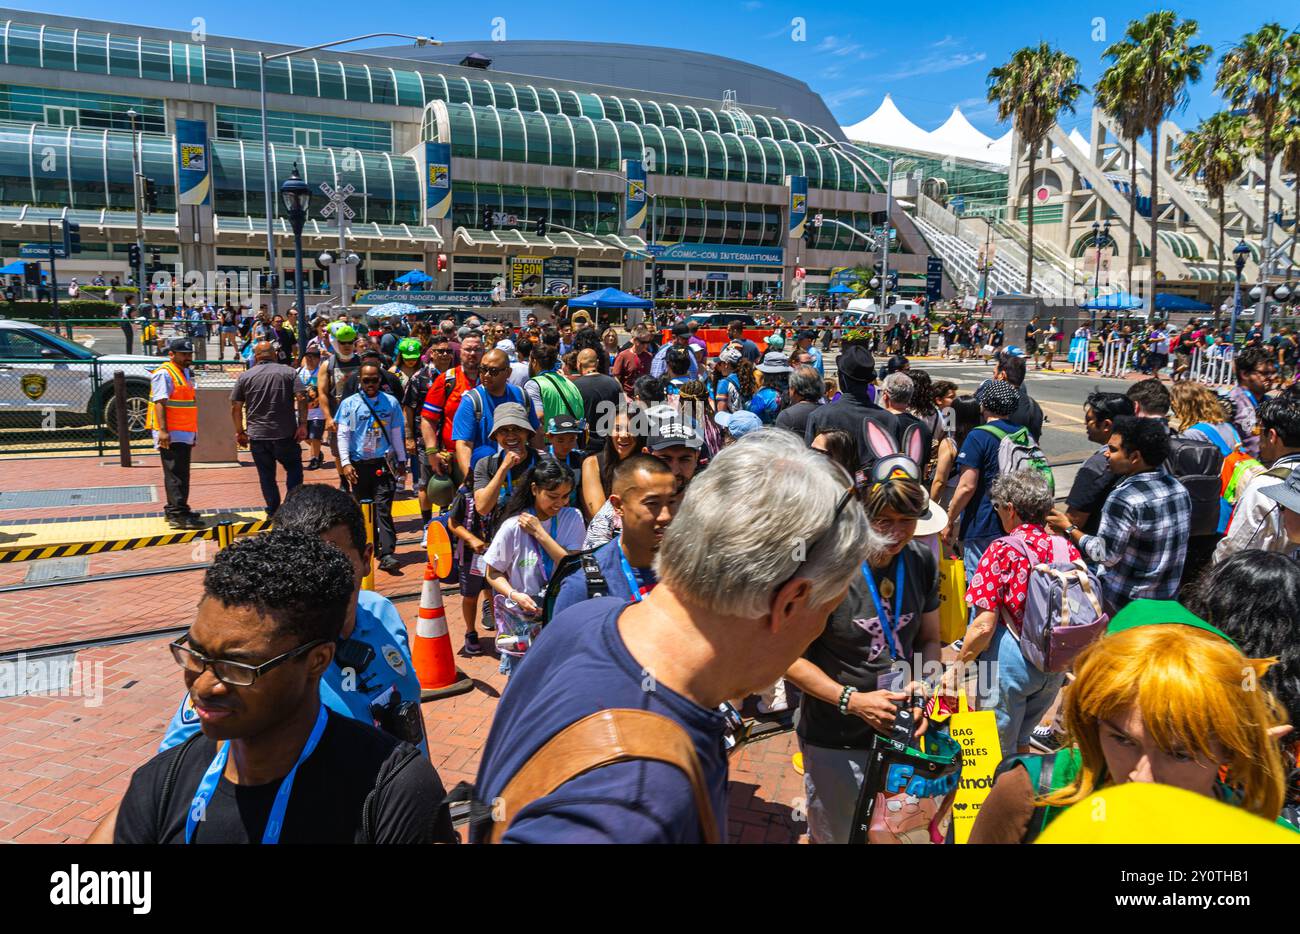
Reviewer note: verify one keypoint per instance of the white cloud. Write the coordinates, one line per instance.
(936, 64)
(752, 5)
(844, 95)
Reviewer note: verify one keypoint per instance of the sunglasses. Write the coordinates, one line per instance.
(235, 674)
(370, 379)
(492, 370)
(816, 543)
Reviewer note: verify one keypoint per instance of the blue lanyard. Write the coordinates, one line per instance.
(573, 493)
(274, 823)
(638, 590)
(891, 640)
(510, 483)
(547, 564)
(1250, 396)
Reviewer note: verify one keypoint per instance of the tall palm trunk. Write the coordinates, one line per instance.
(1295, 221)
(1219, 281)
(1155, 210)
(1132, 209)
(1029, 251)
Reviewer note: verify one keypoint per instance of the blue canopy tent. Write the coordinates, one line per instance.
(609, 298)
(414, 277)
(16, 268)
(1116, 301)
(840, 289)
(1166, 301)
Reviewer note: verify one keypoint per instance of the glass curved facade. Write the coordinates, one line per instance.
(594, 212)
(91, 169)
(478, 132)
(37, 46)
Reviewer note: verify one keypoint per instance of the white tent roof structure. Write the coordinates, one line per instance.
(888, 127)
(1080, 143)
(956, 137)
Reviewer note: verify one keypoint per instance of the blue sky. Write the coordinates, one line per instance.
(928, 56)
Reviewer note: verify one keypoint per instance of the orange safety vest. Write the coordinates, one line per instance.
(182, 407)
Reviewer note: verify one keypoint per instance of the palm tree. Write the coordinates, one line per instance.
(1256, 75)
(1116, 93)
(1160, 53)
(1214, 152)
(1034, 87)
(1290, 146)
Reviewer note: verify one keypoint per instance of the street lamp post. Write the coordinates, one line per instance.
(297, 197)
(1100, 239)
(1239, 254)
(262, 59)
(654, 209)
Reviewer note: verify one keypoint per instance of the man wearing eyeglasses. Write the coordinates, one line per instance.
(372, 660)
(372, 448)
(472, 429)
(438, 414)
(437, 358)
(272, 763)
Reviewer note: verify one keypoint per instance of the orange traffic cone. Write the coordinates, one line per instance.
(434, 664)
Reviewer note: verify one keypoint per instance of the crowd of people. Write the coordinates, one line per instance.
(660, 536)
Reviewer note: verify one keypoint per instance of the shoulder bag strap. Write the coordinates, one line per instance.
(601, 739)
(993, 430)
(557, 383)
(597, 586)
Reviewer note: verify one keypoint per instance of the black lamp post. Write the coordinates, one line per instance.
(1239, 254)
(1100, 239)
(297, 196)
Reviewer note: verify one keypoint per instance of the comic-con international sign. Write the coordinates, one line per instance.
(437, 184)
(193, 178)
(557, 273)
(526, 274)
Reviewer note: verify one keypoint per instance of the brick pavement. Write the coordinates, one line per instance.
(66, 760)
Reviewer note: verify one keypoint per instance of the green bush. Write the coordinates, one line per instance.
(86, 308)
(103, 289)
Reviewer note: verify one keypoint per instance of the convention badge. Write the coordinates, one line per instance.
(891, 680)
(887, 589)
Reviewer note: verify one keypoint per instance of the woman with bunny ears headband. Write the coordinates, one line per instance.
(877, 642)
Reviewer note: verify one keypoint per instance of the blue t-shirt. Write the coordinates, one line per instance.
(573, 589)
(465, 427)
(819, 364)
(579, 665)
(766, 404)
(380, 626)
(980, 452)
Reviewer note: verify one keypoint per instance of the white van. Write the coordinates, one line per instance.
(863, 311)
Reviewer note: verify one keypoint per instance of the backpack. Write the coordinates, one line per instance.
(1063, 612)
(1017, 450)
(597, 586)
(1048, 775)
(1238, 469)
(1197, 465)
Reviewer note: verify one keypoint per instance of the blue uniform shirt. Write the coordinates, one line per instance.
(465, 428)
(380, 626)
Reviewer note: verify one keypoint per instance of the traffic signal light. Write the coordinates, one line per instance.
(150, 196)
(71, 238)
(442, 262)
(487, 219)
(133, 256)
(32, 274)
(540, 229)
(889, 303)
(659, 275)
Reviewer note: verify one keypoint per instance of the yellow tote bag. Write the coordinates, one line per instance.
(981, 752)
(952, 598)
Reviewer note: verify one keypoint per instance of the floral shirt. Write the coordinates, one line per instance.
(1001, 580)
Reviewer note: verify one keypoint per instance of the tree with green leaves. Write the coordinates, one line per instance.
(1160, 51)
(1117, 94)
(1213, 152)
(1290, 147)
(1259, 74)
(1034, 88)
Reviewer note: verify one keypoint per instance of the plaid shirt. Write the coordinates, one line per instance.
(1142, 541)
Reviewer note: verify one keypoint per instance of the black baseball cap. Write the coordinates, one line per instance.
(857, 365)
(181, 345)
(564, 425)
(675, 432)
(681, 329)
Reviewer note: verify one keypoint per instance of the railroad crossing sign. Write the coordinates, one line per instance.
(337, 201)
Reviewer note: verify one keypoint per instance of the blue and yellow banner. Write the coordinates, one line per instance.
(798, 185)
(437, 181)
(635, 199)
(193, 163)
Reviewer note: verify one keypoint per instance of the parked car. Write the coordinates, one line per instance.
(41, 371)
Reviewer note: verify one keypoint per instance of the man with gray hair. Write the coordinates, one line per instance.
(896, 397)
(736, 604)
(806, 388)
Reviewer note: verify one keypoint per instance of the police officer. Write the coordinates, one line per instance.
(372, 664)
(174, 419)
(372, 450)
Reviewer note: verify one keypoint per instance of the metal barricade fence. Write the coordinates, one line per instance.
(1213, 366)
(1116, 358)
